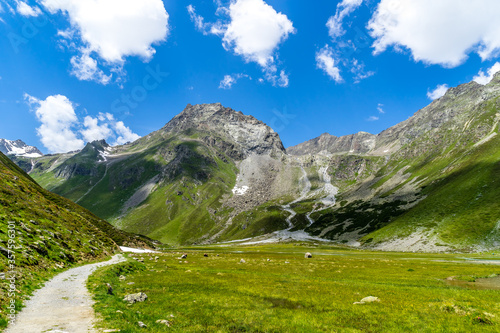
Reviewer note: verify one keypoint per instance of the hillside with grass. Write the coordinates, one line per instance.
(42, 233)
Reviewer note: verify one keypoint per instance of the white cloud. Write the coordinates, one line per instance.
(85, 69)
(198, 20)
(277, 80)
(227, 82)
(326, 61)
(116, 28)
(61, 130)
(57, 115)
(26, 10)
(94, 131)
(124, 134)
(256, 30)
(358, 69)
(373, 118)
(438, 92)
(253, 30)
(112, 30)
(438, 32)
(335, 22)
(380, 108)
(105, 127)
(483, 78)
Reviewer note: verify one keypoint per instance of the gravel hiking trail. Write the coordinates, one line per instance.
(63, 305)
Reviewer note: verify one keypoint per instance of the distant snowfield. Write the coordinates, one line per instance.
(132, 250)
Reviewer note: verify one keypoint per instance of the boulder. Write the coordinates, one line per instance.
(110, 289)
(133, 298)
(369, 299)
(164, 322)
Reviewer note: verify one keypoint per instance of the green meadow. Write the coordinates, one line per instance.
(276, 289)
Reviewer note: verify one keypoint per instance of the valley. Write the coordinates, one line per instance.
(212, 175)
(273, 288)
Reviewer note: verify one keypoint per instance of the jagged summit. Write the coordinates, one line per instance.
(250, 134)
(19, 148)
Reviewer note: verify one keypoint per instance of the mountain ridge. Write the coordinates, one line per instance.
(212, 174)
(19, 148)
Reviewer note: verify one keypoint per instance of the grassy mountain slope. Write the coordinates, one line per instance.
(175, 184)
(47, 233)
(439, 190)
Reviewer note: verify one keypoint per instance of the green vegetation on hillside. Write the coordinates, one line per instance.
(45, 233)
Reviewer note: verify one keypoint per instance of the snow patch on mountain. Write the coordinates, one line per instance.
(19, 148)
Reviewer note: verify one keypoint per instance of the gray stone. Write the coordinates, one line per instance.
(369, 299)
(164, 322)
(133, 298)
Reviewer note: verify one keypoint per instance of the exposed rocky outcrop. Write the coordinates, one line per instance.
(359, 143)
(243, 135)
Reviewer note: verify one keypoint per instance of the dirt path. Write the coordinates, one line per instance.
(63, 305)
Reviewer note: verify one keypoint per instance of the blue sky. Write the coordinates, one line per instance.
(73, 71)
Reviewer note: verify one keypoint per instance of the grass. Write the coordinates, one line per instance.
(289, 293)
(461, 204)
(51, 233)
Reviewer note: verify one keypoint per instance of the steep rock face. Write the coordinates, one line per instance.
(247, 133)
(359, 143)
(18, 148)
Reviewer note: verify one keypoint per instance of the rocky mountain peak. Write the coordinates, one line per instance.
(19, 148)
(249, 134)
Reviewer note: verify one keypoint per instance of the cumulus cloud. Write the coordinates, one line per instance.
(124, 133)
(94, 131)
(85, 69)
(26, 10)
(61, 130)
(485, 78)
(106, 127)
(335, 22)
(325, 61)
(113, 29)
(253, 30)
(256, 30)
(438, 32)
(438, 92)
(58, 118)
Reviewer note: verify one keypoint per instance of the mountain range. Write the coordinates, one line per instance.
(211, 174)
